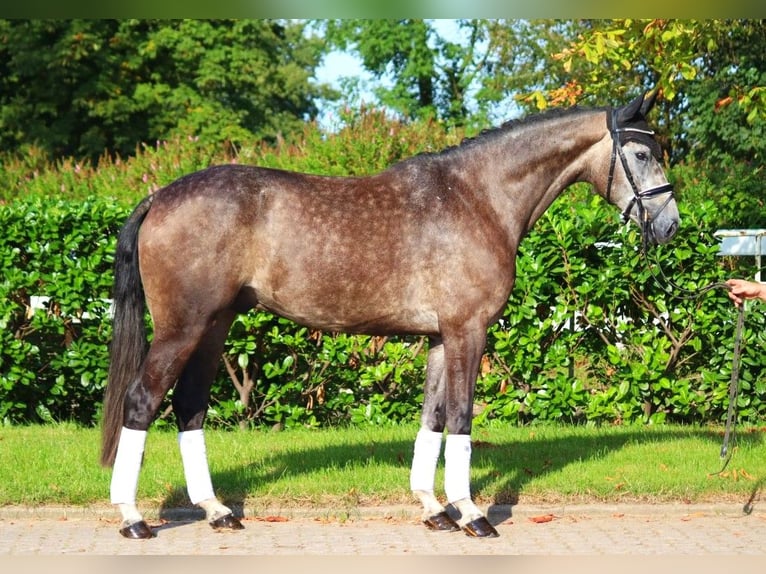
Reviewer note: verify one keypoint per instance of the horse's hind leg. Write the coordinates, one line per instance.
(166, 358)
(190, 403)
(428, 443)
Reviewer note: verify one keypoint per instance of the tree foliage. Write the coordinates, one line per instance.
(404, 51)
(82, 87)
(423, 73)
(711, 74)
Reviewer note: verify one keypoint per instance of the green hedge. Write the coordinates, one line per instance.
(588, 335)
(54, 361)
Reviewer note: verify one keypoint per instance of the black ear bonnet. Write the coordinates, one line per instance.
(636, 129)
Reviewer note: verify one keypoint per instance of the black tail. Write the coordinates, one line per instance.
(129, 346)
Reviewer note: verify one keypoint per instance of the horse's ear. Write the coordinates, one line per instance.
(627, 114)
(648, 103)
(638, 108)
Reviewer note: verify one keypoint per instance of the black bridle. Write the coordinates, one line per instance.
(644, 218)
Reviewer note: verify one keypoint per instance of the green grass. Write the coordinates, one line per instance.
(351, 467)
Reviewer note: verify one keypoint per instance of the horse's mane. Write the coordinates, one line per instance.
(489, 134)
(522, 123)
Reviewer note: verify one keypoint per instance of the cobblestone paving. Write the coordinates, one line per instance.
(559, 531)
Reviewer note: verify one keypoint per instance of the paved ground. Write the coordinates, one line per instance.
(592, 530)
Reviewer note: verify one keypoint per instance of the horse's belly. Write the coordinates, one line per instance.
(350, 317)
(349, 305)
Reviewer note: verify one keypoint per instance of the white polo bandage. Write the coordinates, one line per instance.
(428, 445)
(127, 466)
(194, 457)
(457, 467)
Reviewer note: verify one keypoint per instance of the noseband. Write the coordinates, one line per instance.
(638, 196)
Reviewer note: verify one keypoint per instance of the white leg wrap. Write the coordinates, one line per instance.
(457, 467)
(127, 466)
(194, 457)
(428, 445)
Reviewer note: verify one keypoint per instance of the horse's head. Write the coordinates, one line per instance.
(637, 183)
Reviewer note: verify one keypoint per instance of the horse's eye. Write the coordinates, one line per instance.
(641, 156)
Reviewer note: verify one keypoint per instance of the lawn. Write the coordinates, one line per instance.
(343, 468)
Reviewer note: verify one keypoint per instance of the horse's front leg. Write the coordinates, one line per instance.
(462, 355)
(428, 443)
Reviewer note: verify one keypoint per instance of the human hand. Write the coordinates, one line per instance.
(740, 289)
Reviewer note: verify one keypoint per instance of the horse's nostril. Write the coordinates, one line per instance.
(664, 235)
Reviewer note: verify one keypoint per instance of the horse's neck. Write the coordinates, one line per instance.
(522, 171)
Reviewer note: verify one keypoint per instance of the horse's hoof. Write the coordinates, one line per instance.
(227, 521)
(441, 522)
(480, 528)
(137, 531)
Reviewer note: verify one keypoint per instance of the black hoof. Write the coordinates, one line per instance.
(137, 531)
(227, 521)
(480, 528)
(441, 522)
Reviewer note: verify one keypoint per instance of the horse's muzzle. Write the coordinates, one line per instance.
(662, 230)
(659, 224)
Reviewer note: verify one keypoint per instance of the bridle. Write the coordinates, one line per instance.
(638, 195)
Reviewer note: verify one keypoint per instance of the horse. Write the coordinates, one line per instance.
(231, 238)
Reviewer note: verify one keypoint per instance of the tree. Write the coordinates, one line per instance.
(711, 74)
(730, 87)
(82, 87)
(520, 59)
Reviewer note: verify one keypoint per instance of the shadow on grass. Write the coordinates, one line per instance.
(520, 462)
(508, 466)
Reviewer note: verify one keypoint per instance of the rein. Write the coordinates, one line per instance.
(733, 388)
(674, 290)
(663, 281)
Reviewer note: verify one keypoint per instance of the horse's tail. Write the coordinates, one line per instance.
(129, 346)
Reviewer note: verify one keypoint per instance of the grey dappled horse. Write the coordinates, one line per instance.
(232, 238)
